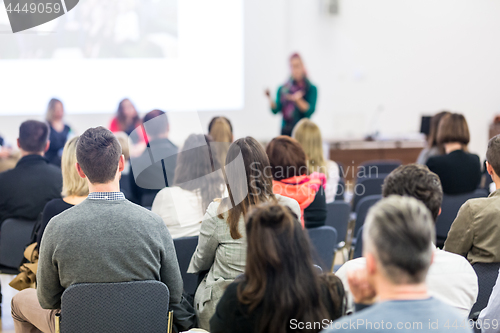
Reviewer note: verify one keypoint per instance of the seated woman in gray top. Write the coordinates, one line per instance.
(222, 244)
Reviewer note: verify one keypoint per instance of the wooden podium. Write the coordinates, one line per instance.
(351, 153)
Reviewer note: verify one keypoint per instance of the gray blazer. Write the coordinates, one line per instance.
(223, 256)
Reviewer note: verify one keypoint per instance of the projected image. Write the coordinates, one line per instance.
(102, 29)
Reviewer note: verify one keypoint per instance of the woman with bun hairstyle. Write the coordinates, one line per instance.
(280, 285)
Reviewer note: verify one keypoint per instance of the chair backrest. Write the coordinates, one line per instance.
(367, 186)
(15, 234)
(358, 248)
(362, 210)
(323, 242)
(337, 216)
(487, 274)
(380, 166)
(339, 196)
(449, 209)
(184, 248)
(126, 307)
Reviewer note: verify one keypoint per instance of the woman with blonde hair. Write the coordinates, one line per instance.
(308, 135)
(59, 131)
(221, 132)
(75, 189)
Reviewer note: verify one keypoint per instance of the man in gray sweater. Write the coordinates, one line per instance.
(104, 239)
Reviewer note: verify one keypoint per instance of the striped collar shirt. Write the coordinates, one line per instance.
(110, 196)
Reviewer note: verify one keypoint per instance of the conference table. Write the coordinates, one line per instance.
(350, 154)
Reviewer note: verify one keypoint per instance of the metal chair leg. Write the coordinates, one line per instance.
(58, 322)
(170, 321)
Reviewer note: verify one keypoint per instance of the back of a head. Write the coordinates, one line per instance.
(279, 265)
(156, 124)
(493, 154)
(432, 138)
(287, 158)
(246, 187)
(195, 169)
(220, 130)
(399, 232)
(33, 136)
(416, 181)
(51, 108)
(73, 184)
(123, 139)
(98, 154)
(453, 128)
(308, 135)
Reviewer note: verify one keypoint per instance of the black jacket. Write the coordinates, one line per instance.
(459, 171)
(26, 189)
(315, 213)
(158, 167)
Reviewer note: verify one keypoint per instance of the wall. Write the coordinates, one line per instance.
(379, 65)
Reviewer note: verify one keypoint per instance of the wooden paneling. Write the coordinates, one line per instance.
(352, 158)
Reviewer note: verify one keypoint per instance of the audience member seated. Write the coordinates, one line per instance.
(451, 278)
(149, 181)
(33, 182)
(221, 131)
(475, 232)
(222, 244)
(183, 205)
(126, 118)
(74, 188)
(308, 135)
(459, 171)
(289, 170)
(281, 286)
(104, 239)
(125, 178)
(397, 245)
(59, 131)
(432, 148)
(8, 157)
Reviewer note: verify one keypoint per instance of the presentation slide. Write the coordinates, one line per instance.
(175, 55)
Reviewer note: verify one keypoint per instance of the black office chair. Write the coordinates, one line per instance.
(184, 248)
(15, 235)
(449, 209)
(323, 241)
(367, 186)
(358, 246)
(487, 274)
(339, 196)
(377, 167)
(126, 307)
(361, 212)
(337, 216)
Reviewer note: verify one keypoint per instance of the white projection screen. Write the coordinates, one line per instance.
(176, 55)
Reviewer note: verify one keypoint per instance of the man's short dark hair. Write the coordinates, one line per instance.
(157, 127)
(33, 136)
(493, 153)
(98, 153)
(416, 181)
